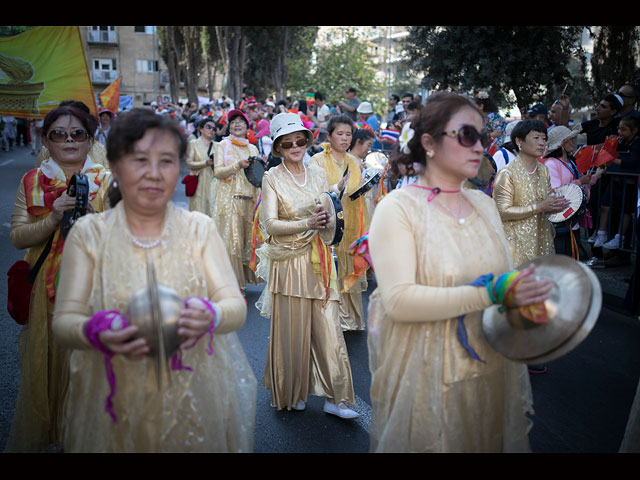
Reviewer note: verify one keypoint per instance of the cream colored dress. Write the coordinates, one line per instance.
(37, 422)
(307, 354)
(209, 409)
(516, 193)
(235, 204)
(356, 224)
(428, 394)
(204, 198)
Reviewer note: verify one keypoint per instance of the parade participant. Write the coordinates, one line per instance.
(335, 160)
(236, 198)
(42, 199)
(428, 242)
(523, 195)
(98, 152)
(563, 170)
(494, 123)
(200, 163)
(106, 117)
(209, 406)
(307, 354)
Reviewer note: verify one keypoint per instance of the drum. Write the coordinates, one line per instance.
(573, 308)
(372, 180)
(255, 171)
(333, 232)
(485, 176)
(375, 160)
(577, 205)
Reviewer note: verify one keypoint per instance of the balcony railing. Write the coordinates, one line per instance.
(103, 36)
(103, 76)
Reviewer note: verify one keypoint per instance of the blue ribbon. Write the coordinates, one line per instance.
(461, 331)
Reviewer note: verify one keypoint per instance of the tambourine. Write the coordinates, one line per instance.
(486, 174)
(333, 232)
(366, 186)
(577, 205)
(78, 188)
(255, 171)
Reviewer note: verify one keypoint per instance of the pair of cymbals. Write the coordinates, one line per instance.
(572, 311)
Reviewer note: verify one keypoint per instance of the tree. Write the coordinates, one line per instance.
(211, 55)
(348, 64)
(613, 62)
(232, 41)
(528, 60)
(181, 49)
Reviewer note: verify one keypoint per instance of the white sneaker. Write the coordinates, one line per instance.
(601, 239)
(340, 410)
(615, 243)
(300, 406)
(593, 237)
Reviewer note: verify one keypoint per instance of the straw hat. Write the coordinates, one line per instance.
(557, 136)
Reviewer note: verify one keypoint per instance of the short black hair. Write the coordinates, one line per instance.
(524, 127)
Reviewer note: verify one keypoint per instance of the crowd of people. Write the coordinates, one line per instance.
(267, 180)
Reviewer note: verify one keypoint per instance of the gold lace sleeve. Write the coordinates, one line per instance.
(273, 225)
(504, 194)
(220, 170)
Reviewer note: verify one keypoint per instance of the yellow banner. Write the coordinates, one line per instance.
(41, 68)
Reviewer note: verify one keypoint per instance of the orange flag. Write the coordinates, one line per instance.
(110, 98)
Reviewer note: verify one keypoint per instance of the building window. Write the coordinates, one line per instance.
(146, 66)
(149, 30)
(104, 64)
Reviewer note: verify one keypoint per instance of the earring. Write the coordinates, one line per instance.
(430, 154)
(114, 184)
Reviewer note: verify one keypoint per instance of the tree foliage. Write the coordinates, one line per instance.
(613, 62)
(528, 60)
(339, 67)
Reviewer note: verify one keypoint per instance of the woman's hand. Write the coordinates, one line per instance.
(244, 163)
(319, 218)
(195, 320)
(530, 290)
(123, 342)
(585, 179)
(343, 181)
(61, 204)
(553, 204)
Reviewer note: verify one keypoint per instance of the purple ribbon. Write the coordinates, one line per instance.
(100, 322)
(461, 330)
(176, 359)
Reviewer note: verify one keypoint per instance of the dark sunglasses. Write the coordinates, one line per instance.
(60, 136)
(468, 136)
(210, 127)
(301, 142)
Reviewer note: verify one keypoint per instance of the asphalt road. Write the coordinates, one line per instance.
(581, 404)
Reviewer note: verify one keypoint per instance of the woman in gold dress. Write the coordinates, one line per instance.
(200, 163)
(40, 204)
(336, 160)
(523, 195)
(236, 198)
(307, 354)
(431, 390)
(209, 405)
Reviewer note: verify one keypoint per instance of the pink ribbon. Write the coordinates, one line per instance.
(176, 359)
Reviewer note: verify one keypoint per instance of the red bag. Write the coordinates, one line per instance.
(19, 291)
(190, 185)
(20, 283)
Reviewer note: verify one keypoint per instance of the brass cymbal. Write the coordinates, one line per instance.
(155, 310)
(572, 310)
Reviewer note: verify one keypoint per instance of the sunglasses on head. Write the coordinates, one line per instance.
(468, 136)
(60, 136)
(301, 142)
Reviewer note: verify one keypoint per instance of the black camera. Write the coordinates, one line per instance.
(78, 188)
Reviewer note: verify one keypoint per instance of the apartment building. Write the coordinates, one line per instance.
(132, 53)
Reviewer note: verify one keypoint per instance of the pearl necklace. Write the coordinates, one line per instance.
(153, 244)
(294, 178)
(460, 219)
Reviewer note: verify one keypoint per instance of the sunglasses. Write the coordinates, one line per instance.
(468, 136)
(60, 136)
(301, 142)
(210, 127)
